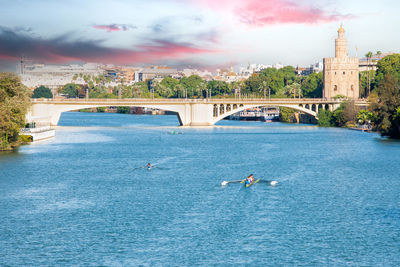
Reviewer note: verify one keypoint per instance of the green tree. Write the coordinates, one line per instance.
(71, 90)
(192, 84)
(97, 91)
(180, 90)
(364, 82)
(286, 114)
(338, 117)
(169, 82)
(142, 89)
(346, 114)
(218, 88)
(42, 91)
(312, 85)
(388, 65)
(387, 107)
(14, 104)
(101, 109)
(325, 118)
(292, 90)
(253, 83)
(163, 91)
(379, 54)
(275, 79)
(124, 110)
(369, 56)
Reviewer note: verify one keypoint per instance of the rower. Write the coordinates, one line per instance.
(148, 165)
(249, 179)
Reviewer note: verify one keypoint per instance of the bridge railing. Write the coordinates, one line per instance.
(190, 100)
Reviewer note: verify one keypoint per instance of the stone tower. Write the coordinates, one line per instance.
(341, 72)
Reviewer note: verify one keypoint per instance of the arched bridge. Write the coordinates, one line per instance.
(191, 112)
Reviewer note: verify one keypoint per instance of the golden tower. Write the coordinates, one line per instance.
(341, 73)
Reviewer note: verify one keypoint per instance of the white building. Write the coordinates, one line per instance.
(204, 74)
(55, 76)
(155, 72)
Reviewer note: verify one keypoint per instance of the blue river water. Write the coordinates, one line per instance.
(84, 198)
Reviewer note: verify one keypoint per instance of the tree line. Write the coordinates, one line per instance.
(270, 82)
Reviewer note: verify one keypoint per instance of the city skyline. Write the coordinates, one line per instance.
(197, 33)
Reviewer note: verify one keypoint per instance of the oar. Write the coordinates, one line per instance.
(272, 183)
(229, 182)
(139, 167)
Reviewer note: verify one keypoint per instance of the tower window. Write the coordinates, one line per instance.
(335, 87)
(344, 73)
(335, 72)
(352, 88)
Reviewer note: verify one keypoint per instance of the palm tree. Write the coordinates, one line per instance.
(264, 87)
(136, 89)
(179, 88)
(368, 56)
(379, 53)
(292, 89)
(201, 87)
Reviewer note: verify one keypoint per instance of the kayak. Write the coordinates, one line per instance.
(250, 184)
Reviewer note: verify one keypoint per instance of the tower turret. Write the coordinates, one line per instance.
(341, 44)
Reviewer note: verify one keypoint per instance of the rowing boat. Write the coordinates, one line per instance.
(250, 184)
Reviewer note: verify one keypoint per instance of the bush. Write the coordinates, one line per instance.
(25, 138)
(124, 110)
(325, 118)
(85, 110)
(286, 114)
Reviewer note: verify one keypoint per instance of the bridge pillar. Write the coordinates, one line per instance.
(196, 114)
(47, 111)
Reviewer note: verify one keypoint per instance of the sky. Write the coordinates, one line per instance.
(192, 33)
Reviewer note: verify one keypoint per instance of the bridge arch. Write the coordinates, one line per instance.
(53, 112)
(243, 107)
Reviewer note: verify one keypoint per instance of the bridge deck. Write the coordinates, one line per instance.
(147, 101)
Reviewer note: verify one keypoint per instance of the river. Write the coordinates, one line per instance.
(84, 198)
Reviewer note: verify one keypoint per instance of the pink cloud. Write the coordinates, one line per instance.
(7, 57)
(265, 12)
(114, 27)
(62, 49)
(161, 50)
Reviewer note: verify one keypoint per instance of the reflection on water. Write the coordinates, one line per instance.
(86, 198)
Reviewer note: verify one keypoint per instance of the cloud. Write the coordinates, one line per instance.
(62, 50)
(114, 27)
(266, 12)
